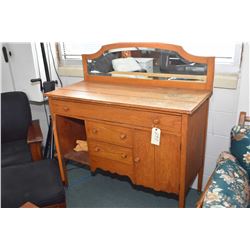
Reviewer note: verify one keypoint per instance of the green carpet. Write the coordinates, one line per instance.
(105, 190)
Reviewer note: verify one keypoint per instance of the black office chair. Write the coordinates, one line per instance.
(21, 137)
(25, 177)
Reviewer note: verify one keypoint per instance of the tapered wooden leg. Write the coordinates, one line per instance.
(182, 200)
(200, 178)
(182, 195)
(62, 167)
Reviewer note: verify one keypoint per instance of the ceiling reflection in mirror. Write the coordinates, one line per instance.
(147, 63)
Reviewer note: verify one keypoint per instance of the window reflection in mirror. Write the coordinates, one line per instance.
(147, 63)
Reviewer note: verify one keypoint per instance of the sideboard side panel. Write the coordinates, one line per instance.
(196, 142)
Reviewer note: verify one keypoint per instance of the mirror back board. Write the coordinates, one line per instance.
(151, 64)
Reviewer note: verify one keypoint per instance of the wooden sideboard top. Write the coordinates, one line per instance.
(146, 97)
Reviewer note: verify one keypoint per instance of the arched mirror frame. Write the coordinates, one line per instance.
(207, 85)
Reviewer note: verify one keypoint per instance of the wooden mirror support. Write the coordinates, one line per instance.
(162, 75)
(114, 110)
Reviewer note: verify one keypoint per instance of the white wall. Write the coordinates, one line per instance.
(21, 68)
(244, 88)
(5, 76)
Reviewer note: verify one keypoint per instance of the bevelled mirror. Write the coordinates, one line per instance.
(146, 63)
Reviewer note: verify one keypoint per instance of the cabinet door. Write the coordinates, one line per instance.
(143, 158)
(167, 163)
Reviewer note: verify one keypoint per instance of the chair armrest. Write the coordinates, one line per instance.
(34, 132)
(200, 201)
(34, 140)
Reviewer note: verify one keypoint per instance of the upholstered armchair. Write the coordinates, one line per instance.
(229, 185)
(20, 136)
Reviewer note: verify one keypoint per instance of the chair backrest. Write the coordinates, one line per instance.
(15, 116)
(243, 118)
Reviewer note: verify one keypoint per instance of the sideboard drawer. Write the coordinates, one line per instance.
(109, 151)
(109, 133)
(135, 117)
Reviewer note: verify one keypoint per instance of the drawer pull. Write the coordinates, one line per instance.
(97, 149)
(137, 159)
(156, 121)
(94, 130)
(124, 156)
(66, 108)
(123, 136)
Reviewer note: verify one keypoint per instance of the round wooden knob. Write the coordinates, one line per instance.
(94, 130)
(124, 156)
(65, 108)
(137, 159)
(156, 121)
(97, 149)
(123, 136)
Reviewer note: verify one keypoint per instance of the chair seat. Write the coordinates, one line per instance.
(16, 152)
(37, 182)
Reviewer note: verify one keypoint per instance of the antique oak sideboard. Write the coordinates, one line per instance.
(130, 92)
